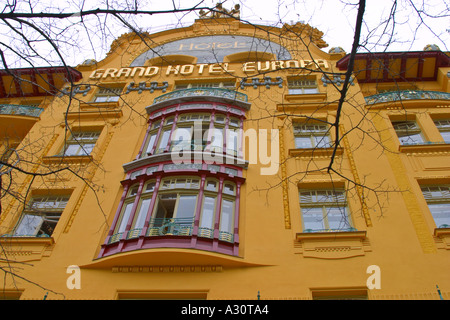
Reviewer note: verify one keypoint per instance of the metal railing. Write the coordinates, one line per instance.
(407, 95)
(198, 92)
(329, 230)
(20, 110)
(171, 226)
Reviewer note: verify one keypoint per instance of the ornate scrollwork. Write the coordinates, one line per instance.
(143, 86)
(267, 81)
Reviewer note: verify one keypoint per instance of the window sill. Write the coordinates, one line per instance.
(25, 249)
(442, 235)
(425, 148)
(305, 97)
(332, 245)
(315, 152)
(99, 105)
(66, 159)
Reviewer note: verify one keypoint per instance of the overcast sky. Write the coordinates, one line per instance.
(335, 18)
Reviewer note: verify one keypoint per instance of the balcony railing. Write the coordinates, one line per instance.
(172, 227)
(349, 229)
(198, 92)
(407, 95)
(20, 110)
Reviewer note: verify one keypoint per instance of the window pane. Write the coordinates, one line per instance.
(186, 207)
(216, 139)
(125, 217)
(337, 218)
(303, 142)
(313, 218)
(446, 136)
(181, 139)
(163, 141)
(151, 142)
(142, 213)
(322, 141)
(410, 138)
(29, 225)
(440, 213)
(226, 216)
(207, 219)
(71, 150)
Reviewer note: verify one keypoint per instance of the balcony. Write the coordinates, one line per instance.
(20, 110)
(200, 94)
(159, 227)
(196, 92)
(395, 96)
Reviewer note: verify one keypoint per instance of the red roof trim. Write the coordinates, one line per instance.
(442, 60)
(70, 74)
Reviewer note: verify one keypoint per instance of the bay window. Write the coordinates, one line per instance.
(196, 131)
(180, 206)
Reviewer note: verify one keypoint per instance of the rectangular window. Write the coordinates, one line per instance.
(206, 228)
(40, 216)
(438, 200)
(226, 221)
(302, 86)
(324, 210)
(111, 94)
(81, 143)
(408, 132)
(311, 136)
(174, 214)
(444, 128)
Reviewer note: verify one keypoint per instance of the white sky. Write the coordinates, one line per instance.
(335, 18)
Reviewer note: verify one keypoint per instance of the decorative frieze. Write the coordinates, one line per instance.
(167, 269)
(142, 86)
(266, 81)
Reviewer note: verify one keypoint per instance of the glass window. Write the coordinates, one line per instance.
(311, 136)
(302, 86)
(324, 210)
(438, 200)
(111, 94)
(408, 132)
(226, 220)
(41, 216)
(444, 128)
(81, 143)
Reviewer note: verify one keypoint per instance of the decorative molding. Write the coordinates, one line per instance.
(284, 181)
(143, 87)
(359, 188)
(332, 245)
(75, 90)
(309, 153)
(410, 200)
(336, 79)
(26, 249)
(266, 81)
(90, 176)
(442, 237)
(167, 269)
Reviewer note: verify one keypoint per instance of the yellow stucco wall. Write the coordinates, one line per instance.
(395, 230)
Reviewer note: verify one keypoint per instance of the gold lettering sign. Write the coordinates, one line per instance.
(210, 69)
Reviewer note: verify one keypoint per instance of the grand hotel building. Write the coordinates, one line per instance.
(217, 161)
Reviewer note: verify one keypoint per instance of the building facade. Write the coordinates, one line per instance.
(218, 161)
